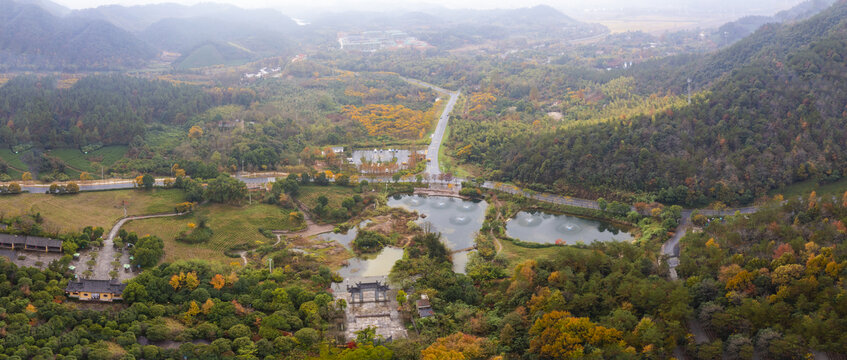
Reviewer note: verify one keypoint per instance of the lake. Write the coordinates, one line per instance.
(540, 227)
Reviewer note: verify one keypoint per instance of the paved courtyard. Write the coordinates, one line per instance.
(383, 314)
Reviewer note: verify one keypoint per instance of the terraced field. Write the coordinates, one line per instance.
(91, 162)
(16, 166)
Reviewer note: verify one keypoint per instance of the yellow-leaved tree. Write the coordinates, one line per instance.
(195, 132)
(459, 346)
(558, 335)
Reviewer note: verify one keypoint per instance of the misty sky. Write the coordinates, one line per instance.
(749, 6)
(479, 4)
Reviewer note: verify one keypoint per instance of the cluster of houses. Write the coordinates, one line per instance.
(83, 289)
(372, 41)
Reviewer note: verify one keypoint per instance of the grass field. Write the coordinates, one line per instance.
(90, 162)
(231, 225)
(805, 188)
(102, 208)
(336, 194)
(517, 254)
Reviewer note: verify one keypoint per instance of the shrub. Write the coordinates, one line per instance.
(369, 241)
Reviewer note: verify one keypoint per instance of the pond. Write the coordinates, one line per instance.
(457, 220)
(364, 265)
(345, 239)
(540, 227)
(372, 265)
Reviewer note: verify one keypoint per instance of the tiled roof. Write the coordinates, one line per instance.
(12, 239)
(96, 286)
(40, 241)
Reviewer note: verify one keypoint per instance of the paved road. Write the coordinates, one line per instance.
(107, 253)
(130, 184)
(432, 167)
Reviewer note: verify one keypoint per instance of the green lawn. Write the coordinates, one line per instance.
(806, 187)
(231, 225)
(517, 254)
(100, 208)
(90, 162)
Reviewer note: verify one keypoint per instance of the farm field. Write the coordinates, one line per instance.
(231, 225)
(101, 208)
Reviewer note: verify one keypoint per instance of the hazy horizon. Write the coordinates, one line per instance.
(316, 6)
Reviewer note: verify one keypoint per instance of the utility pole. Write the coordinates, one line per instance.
(689, 91)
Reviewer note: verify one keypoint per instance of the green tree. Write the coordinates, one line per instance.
(148, 181)
(226, 189)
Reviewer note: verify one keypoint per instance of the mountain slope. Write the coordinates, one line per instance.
(450, 28)
(139, 18)
(741, 28)
(32, 38)
(776, 117)
(49, 6)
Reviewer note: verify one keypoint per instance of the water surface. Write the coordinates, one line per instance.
(457, 220)
(540, 227)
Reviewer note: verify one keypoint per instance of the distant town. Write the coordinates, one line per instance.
(372, 41)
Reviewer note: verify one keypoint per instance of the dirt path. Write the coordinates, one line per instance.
(311, 229)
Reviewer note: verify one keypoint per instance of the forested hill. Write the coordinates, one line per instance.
(31, 38)
(777, 118)
(771, 41)
(97, 109)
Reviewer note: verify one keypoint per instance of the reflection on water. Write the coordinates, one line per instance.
(345, 239)
(548, 229)
(457, 220)
(460, 260)
(379, 265)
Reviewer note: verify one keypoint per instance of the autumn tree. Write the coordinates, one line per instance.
(458, 346)
(813, 200)
(217, 281)
(195, 132)
(26, 176)
(558, 335)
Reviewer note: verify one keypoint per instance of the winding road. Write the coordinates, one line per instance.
(107, 253)
(670, 249)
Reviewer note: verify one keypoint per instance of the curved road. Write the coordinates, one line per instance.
(108, 251)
